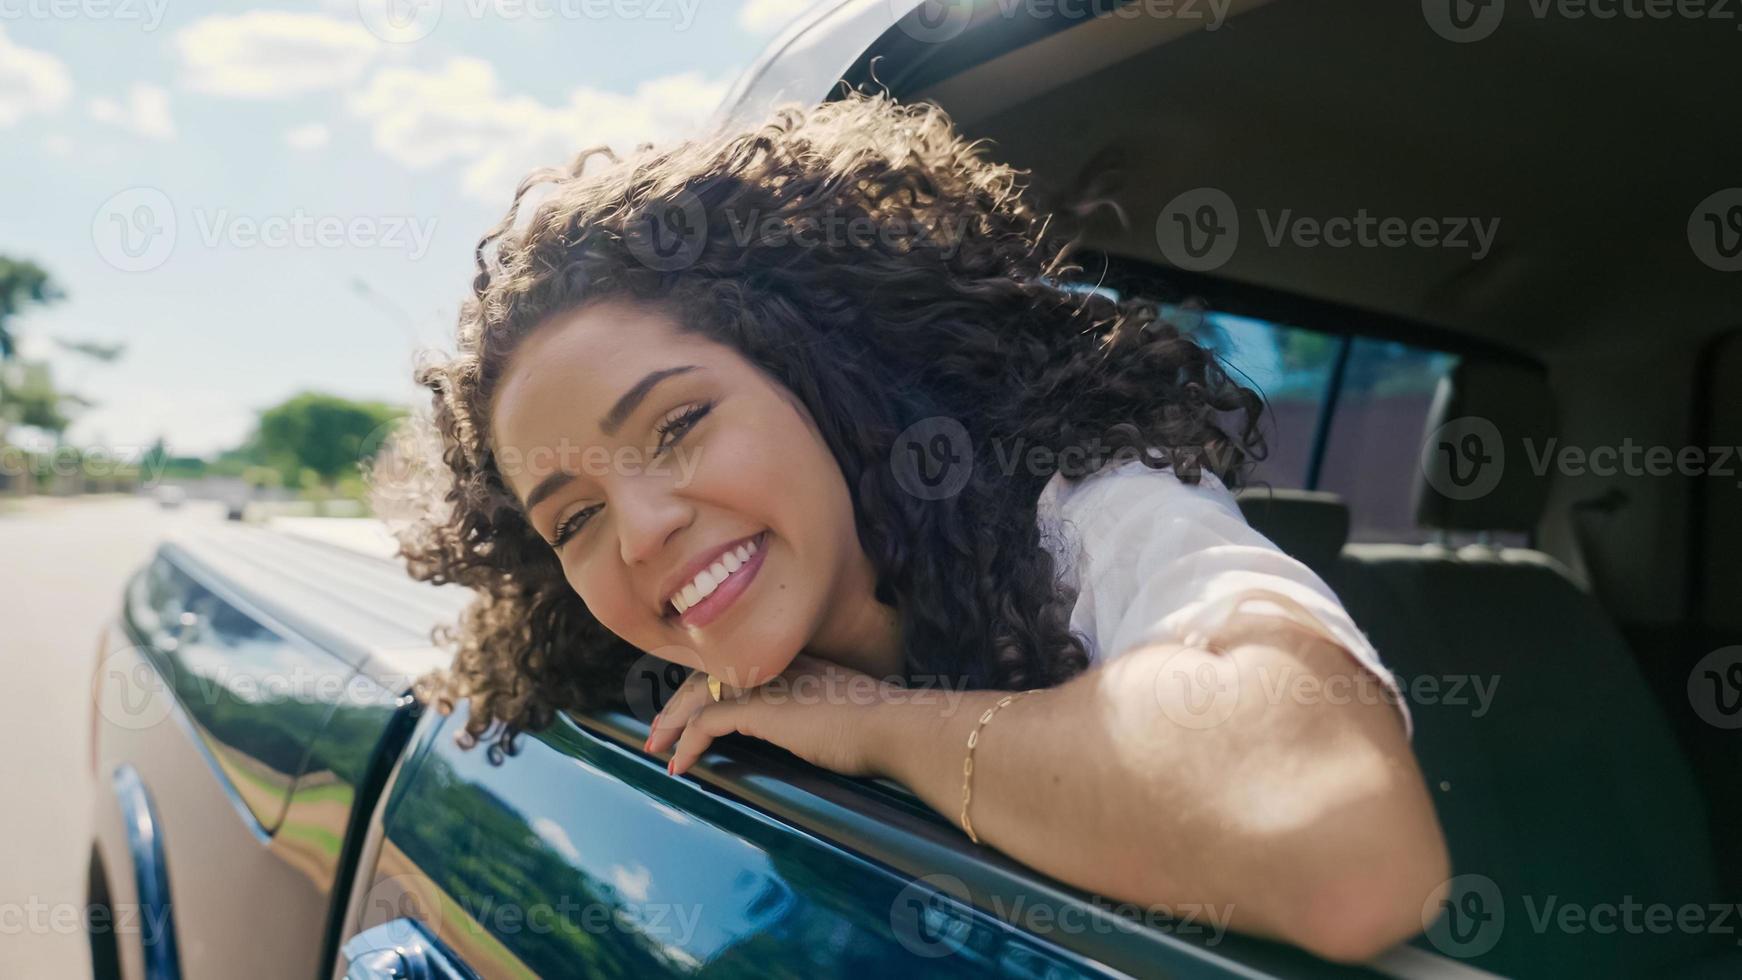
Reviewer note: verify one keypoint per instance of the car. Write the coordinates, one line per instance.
(170, 496)
(1468, 437)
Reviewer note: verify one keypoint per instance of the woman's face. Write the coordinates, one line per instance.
(645, 455)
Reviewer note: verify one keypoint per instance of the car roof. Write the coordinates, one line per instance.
(358, 606)
(1592, 145)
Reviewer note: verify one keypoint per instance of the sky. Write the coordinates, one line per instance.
(262, 200)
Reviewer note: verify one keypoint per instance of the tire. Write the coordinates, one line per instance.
(100, 923)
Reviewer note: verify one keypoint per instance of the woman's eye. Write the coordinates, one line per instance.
(676, 424)
(567, 527)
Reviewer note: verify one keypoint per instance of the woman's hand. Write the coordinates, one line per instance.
(815, 709)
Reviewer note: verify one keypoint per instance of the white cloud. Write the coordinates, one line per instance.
(634, 884)
(312, 136)
(145, 112)
(552, 833)
(768, 16)
(266, 54)
(460, 114)
(31, 82)
(56, 144)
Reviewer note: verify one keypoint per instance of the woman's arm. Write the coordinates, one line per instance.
(1269, 779)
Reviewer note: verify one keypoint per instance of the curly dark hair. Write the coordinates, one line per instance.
(953, 299)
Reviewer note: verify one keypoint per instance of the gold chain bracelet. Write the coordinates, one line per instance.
(968, 760)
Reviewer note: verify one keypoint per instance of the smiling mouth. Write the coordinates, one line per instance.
(726, 579)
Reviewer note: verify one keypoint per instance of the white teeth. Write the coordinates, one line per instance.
(709, 579)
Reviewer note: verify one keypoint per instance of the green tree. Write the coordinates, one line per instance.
(324, 433)
(22, 283)
(28, 397)
(28, 393)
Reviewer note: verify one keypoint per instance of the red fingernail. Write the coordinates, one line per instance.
(669, 771)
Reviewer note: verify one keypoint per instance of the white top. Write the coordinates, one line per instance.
(1152, 559)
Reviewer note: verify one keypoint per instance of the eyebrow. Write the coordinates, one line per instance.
(632, 398)
(608, 424)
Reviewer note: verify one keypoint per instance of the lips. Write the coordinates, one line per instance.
(723, 574)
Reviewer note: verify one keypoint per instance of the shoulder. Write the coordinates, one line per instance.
(1130, 492)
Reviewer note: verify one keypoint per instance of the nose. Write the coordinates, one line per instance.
(647, 516)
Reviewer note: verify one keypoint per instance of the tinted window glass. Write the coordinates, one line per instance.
(1290, 367)
(1378, 422)
(1372, 454)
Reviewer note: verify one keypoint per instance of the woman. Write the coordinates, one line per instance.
(805, 408)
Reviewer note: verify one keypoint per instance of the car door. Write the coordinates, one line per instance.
(578, 855)
(234, 744)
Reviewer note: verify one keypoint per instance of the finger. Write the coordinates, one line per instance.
(708, 724)
(688, 699)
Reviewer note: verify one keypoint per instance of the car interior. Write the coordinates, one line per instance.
(1586, 595)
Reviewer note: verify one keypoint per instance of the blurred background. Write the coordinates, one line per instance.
(225, 231)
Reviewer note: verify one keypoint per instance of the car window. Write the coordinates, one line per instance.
(1372, 449)
(1290, 367)
(1377, 402)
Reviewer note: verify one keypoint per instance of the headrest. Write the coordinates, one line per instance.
(1476, 469)
(1310, 525)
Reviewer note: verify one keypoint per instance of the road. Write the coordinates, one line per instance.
(62, 567)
